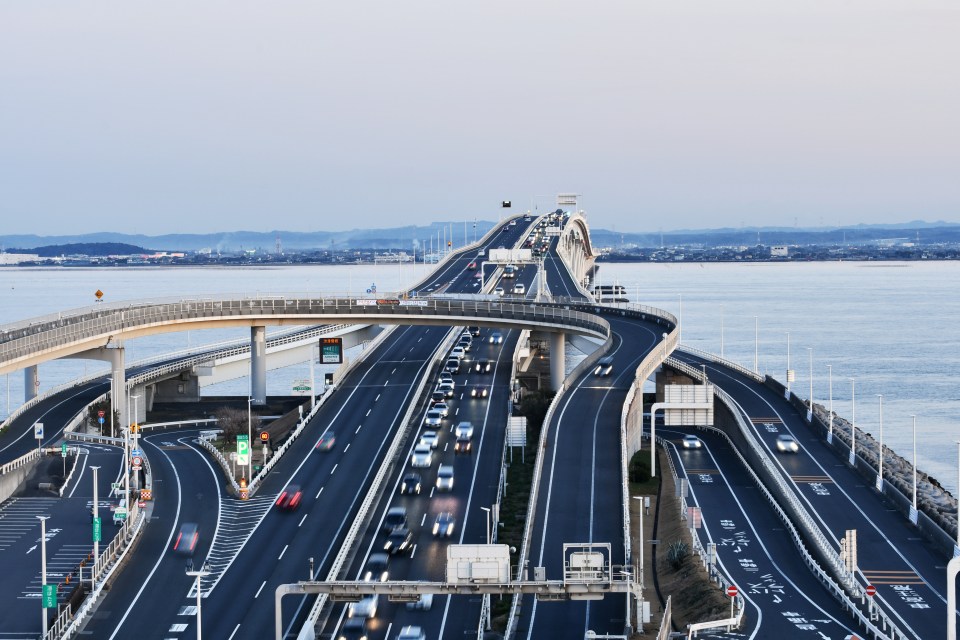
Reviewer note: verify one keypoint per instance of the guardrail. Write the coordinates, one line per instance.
(749, 373)
(27, 458)
(837, 590)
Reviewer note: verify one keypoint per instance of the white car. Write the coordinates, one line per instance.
(422, 456)
(498, 291)
(458, 353)
(496, 338)
(411, 633)
(434, 418)
(423, 604)
(445, 478)
(447, 386)
(691, 442)
(442, 407)
(431, 438)
(787, 444)
(463, 429)
(519, 288)
(366, 607)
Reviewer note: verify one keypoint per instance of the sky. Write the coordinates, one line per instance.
(198, 117)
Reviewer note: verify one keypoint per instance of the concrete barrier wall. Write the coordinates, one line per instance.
(12, 479)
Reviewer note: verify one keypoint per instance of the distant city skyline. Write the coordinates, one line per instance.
(202, 118)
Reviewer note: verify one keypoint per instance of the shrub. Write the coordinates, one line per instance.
(677, 553)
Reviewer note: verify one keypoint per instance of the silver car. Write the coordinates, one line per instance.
(434, 418)
(787, 444)
(422, 456)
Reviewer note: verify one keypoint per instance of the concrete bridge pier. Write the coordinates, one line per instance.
(31, 383)
(558, 355)
(118, 385)
(258, 365)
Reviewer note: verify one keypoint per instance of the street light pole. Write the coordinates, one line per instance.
(721, 332)
(786, 393)
(810, 405)
(43, 569)
(249, 438)
(487, 510)
(830, 384)
(199, 574)
(96, 518)
(913, 510)
(880, 454)
(756, 345)
(853, 423)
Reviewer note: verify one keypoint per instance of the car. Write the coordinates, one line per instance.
(422, 456)
(187, 539)
(479, 391)
(453, 365)
(463, 428)
(513, 223)
(366, 607)
(604, 366)
(519, 289)
(444, 525)
(411, 632)
(423, 604)
(496, 338)
(437, 396)
(289, 498)
(483, 366)
(396, 517)
(691, 442)
(464, 444)
(411, 484)
(376, 569)
(400, 540)
(498, 290)
(446, 376)
(326, 441)
(445, 478)
(505, 228)
(465, 344)
(443, 408)
(353, 629)
(447, 386)
(430, 437)
(472, 265)
(474, 331)
(787, 444)
(458, 352)
(434, 418)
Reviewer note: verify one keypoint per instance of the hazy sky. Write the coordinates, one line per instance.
(207, 116)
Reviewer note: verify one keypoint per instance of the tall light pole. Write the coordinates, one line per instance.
(43, 571)
(96, 525)
(486, 596)
(786, 393)
(810, 404)
(202, 572)
(721, 332)
(830, 384)
(913, 509)
(680, 318)
(756, 345)
(880, 453)
(853, 423)
(249, 438)
(487, 510)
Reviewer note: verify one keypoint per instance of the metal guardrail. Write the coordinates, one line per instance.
(27, 458)
(838, 591)
(749, 373)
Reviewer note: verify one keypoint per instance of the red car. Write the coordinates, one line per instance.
(326, 441)
(472, 265)
(289, 498)
(187, 539)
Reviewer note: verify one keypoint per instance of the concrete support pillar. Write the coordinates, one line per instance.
(118, 385)
(31, 383)
(258, 365)
(558, 353)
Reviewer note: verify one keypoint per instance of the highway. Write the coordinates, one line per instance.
(250, 561)
(908, 575)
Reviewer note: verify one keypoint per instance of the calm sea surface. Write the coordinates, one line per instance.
(891, 326)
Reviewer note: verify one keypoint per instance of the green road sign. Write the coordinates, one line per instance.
(243, 450)
(49, 596)
(96, 530)
(63, 449)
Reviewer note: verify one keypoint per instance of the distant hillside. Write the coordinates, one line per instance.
(102, 249)
(232, 241)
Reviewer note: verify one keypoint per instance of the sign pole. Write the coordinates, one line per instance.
(44, 589)
(96, 527)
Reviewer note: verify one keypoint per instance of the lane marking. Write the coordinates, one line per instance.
(283, 552)
(302, 519)
(257, 594)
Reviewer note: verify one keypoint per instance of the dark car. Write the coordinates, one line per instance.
(186, 541)
(376, 569)
(483, 366)
(396, 517)
(289, 498)
(479, 391)
(353, 629)
(474, 331)
(464, 444)
(437, 396)
(411, 484)
(604, 366)
(400, 540)
(444, 524)
(326, 441)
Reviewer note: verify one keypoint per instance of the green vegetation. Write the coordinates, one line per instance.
(677, 553)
